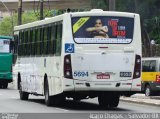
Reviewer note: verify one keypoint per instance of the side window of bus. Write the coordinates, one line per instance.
(35, 41)
(45, 40)
(14, 44)
(53, 39)
(41, 40)
(144, 66)
(28, 50)
(38, 42)
(20, 43)
(49, 39)
(153, 66)
(30, 43)
(149, 66)
(25, 43)
(59, 39)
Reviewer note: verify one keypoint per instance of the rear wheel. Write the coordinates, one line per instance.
(23, 95)
(148, 91)
(5, 85)
(114, 101)
(0, 84)
(52, 100)
(108, 100)
(48, 99)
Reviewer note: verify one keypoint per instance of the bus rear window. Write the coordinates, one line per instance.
(4, 46)
(103, 29)
(149, 66)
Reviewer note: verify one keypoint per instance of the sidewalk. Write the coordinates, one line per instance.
(142, 99)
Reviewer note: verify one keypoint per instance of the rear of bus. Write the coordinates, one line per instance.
(103, 63)
(5, 61)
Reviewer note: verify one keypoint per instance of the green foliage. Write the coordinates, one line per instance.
(28, 17)
(8, 23)
(100, 4)
(6, 27)
(153, 27)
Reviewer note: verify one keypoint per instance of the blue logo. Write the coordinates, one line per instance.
(69, 48)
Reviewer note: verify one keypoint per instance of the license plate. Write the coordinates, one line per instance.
(125, 74)
(103, 76)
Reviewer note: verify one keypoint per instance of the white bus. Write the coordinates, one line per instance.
(79, 55)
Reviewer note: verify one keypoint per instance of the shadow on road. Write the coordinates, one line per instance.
(79, 106)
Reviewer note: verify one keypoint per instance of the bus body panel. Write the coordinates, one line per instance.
(5, 61)
(103, 67)
(137, 43)
(33, 69)
(33, 72)
(108, 60)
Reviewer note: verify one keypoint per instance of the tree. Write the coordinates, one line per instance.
(6, 26)
(101, 4)
(8, 23)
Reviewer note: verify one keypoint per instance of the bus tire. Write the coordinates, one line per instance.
(0, 84)
(5, 85)
(108, 100)
(55, 100)
(23, 95)
(103, 101)
(58, 100)
(114, 101)
(148, 91)
(48, 99)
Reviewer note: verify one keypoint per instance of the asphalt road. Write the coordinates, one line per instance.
(10, 103)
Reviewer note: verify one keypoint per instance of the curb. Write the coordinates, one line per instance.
(141, 101)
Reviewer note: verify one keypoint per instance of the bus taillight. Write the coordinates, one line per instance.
(137, 67)
(67, 67)
(158, 78)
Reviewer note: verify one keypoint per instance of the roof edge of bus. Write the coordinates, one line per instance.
(56, 18)
(6, 37)
(38, 21)
(92, 11)
(157, 57)
(101, 10)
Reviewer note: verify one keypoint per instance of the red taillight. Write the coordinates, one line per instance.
(67, 67)
(137, 67)
(158, 78)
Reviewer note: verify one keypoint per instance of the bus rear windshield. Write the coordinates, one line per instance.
(103, 29)
(4, 45)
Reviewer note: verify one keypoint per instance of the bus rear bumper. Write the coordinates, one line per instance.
(76, 85)
(155, 86)
(6, 76)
